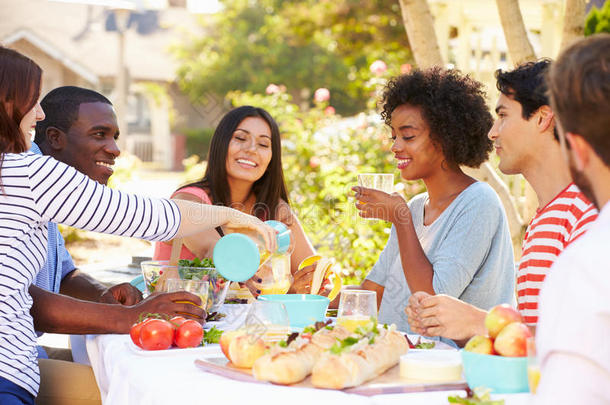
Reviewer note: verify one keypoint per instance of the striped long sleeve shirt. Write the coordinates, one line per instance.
(36, 190)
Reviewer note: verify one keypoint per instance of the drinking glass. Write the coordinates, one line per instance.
(378, 181)
(533, 367)
(200, 288)
(357, 308)
(268, 320)
(275, 274)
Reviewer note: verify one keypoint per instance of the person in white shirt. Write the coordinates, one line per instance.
(573, 336)
(35, 190)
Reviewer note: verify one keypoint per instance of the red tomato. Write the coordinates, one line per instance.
(156, 334)
(134, 332)
(189, 334)
(177, 321)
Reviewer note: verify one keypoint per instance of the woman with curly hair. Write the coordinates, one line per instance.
(454, 238)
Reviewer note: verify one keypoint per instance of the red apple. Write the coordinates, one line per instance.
(480, 344)
(512, 340)
(500, 316)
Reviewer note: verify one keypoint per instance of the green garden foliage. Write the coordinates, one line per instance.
(598, 20)
(346, 46)
(302, 44)
(198, 141)
(322, 156)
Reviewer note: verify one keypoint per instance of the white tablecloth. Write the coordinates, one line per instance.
(128, 376)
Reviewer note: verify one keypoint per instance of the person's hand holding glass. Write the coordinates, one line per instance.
(376, 204)
(376, 199)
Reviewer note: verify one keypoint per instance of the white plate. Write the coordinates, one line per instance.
(172, 351)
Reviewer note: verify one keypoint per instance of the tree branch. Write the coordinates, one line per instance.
(573, 22)
(519, 46)
(419, 25)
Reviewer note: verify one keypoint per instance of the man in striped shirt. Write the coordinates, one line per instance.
(526, 141)
(80, 129)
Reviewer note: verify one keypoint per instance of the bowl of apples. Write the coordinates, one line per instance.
(498, 361)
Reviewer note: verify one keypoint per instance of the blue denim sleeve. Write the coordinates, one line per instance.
(67, 265)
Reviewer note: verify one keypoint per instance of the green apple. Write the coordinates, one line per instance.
(480, 344)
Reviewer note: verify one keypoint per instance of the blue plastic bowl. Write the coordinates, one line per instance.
(502, 375)
(303, 309)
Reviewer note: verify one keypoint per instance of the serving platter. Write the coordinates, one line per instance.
(388, 383)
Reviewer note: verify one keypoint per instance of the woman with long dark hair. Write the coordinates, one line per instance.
(37, 189)
(244, 172)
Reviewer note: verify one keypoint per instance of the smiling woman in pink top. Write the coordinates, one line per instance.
(244, 172)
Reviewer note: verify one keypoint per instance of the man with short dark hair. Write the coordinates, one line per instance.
(526, 142)
(574, 331)
(80, 129)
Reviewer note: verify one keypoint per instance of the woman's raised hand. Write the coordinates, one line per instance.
(378, 204)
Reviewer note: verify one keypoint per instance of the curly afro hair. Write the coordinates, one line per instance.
(453, 106)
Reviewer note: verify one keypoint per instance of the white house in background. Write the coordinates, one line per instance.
(76, 45)
(471, 38)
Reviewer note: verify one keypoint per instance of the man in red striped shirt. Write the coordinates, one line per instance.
(526, 141)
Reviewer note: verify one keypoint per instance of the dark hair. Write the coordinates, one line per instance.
(61, 107)
(526, 84)
(20, 80)
(579, 86)
(269, 189)
(453, 106)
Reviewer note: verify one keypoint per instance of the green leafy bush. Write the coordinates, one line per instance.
(598, 20)
(198, 141)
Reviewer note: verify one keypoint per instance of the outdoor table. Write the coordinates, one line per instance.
(128, 376)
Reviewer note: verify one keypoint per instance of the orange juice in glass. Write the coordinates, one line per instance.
(533, 367)
(275, 274)
(199, 288)
(357, 308)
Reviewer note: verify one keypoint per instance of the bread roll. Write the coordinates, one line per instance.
(362, 362)
(294, 363)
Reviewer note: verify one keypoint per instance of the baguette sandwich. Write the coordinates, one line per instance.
(291, 361)
(359, 358)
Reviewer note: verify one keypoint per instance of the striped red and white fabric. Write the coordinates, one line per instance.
(552, 229)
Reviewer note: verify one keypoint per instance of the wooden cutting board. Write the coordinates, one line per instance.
(388, 383)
